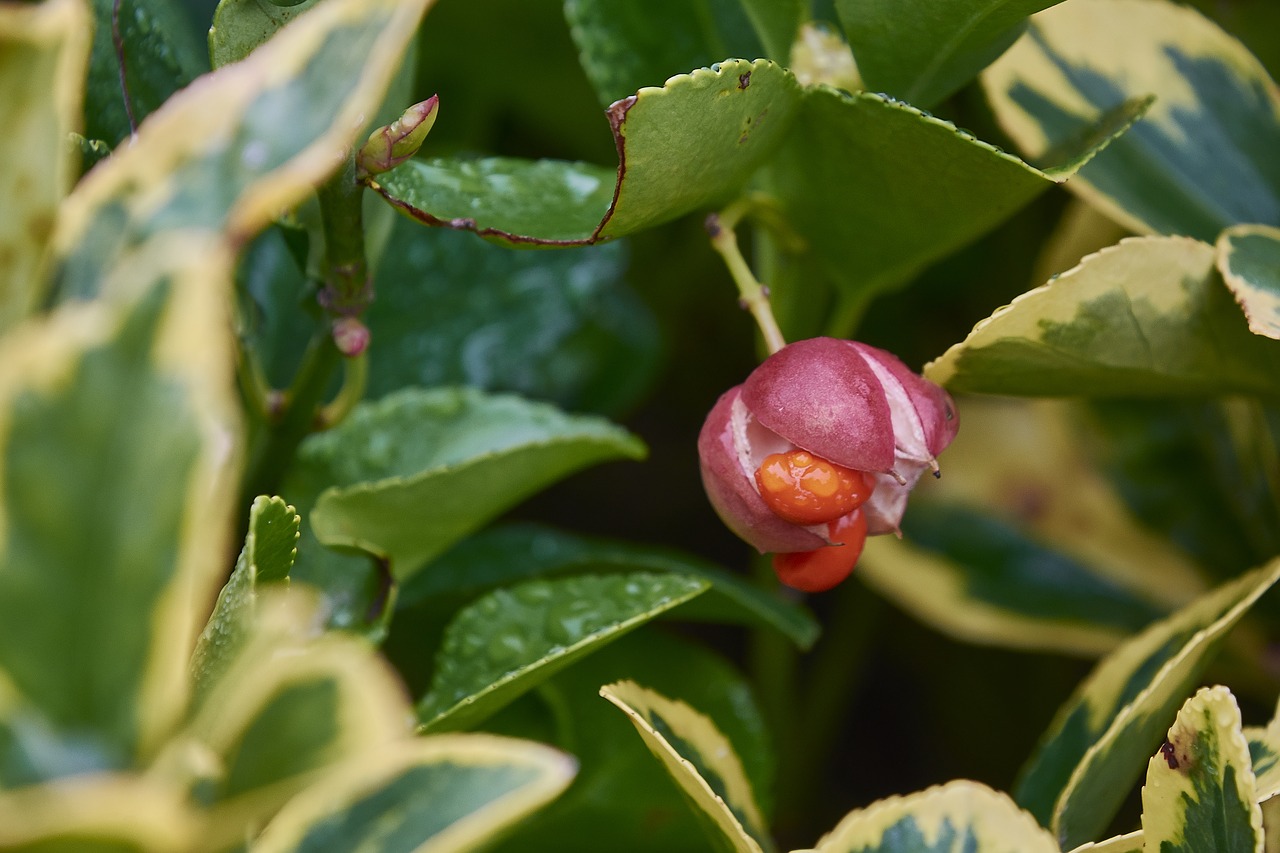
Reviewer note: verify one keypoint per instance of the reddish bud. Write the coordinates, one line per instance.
(350, 336)
(824, 430)
(393, 144)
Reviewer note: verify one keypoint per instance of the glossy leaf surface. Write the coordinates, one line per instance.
(960, 815)
(435, 795)
(517, 552)
(558, 326)
(701, 761)
(240, 26)
(1200, 793)
(622, 798)
(229, 155)
(1148, 317)
(923, 51)
(43, 52)
(143, 52)
(1249, 260)
(415, 472)
(684, 147)
(1201, 161)
(508, 641)
(1093, 751)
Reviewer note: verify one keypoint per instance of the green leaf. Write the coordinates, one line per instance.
(622, 798)
(1146, 317)
(959, 815)
(93, 514)
(700, 759)
(1264, 754)
(923, 51)
(508, 641)
(1204, 158)
(626, 46)
(143, 52)
(557, 326)
(292, 703)
(910, 186)
(687, 146)
(240, 26)
(417, 471)
(501, 555)
(269, 551)
(777, 23)
(43, 51)
(1249, 260)
(1197, 473)
(229, 155)
(1200, 790)
(1093, 751)
(106, 814)
(982, 580)
(1024, 543)
(435, 795)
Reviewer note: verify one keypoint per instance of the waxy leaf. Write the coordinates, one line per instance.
(270, 548)
(43, 51)
(702, 762)
(250, 141)
(1093, 752)
(143, 52)
(1024, 543)
(1200, 795)
(1147, 317)
(79, 390)
(291, 704)
(508, 641)
(684, 147)
(959, 815)
(240, 26)
(1249, 260)
(923, 50)
(418, 470)
(1204, 157)
(622, 798)
(878, 189)
(501, 555)
(106, 814)
(558, 326)
(445, 794)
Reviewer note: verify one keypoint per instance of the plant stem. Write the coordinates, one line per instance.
(751, 293)
(346, 292)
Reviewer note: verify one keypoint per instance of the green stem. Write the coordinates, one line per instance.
(751, 293)
(346, 292)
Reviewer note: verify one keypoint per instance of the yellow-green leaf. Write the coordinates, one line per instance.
(702, 762)
(438, 794)
(1200, 791)
(1146, 317)
(1130, 842)
(1094, 750)
(131, 394)
(245, 143)
(1264, 750)
(960, 815)
(1024, 543)
(1249, 260)
(102, 814)
(1204, 157)
(44, 49)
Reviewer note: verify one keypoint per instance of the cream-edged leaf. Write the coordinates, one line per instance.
(960, 815)
(1249, 260)
(702, 762)
(1200, 794)
(441, 794)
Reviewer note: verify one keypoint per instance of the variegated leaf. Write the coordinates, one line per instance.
(1249, 260)
(958, 816)
(702, 762)
(1094, 750)
(1200, 795)
(108, 813)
